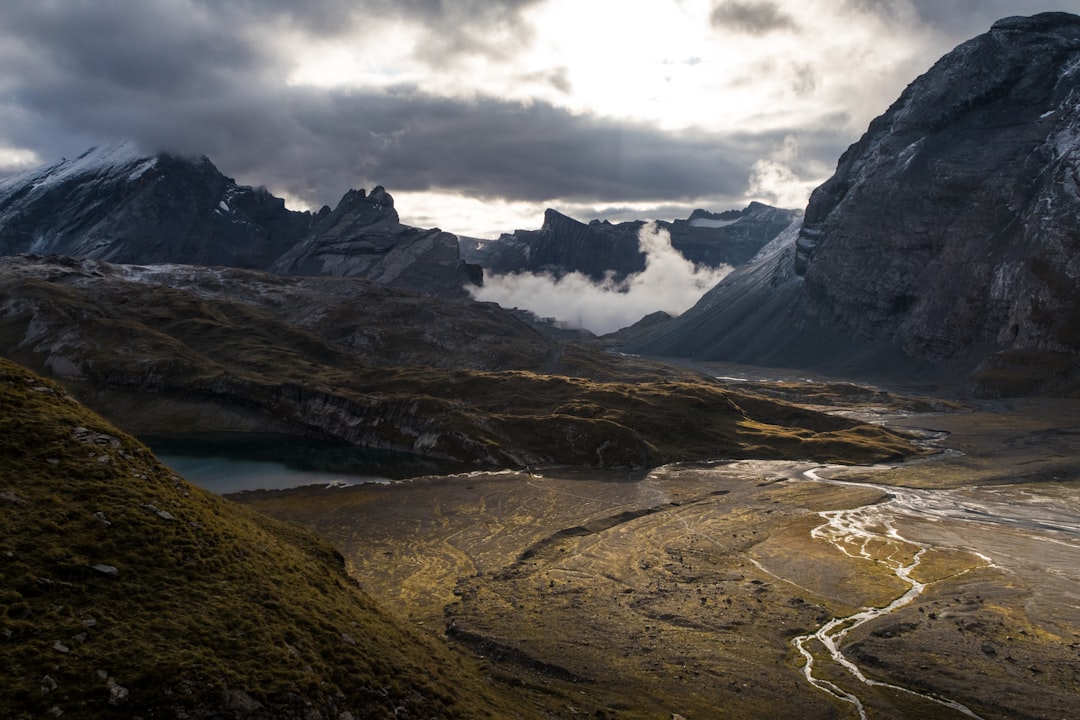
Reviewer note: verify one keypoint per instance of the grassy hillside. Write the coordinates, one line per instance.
(126, 591)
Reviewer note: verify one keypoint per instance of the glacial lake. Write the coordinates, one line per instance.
(234, 462)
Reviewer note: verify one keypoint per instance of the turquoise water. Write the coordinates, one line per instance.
(234, 462)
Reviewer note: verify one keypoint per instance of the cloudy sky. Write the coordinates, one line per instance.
(477, 114)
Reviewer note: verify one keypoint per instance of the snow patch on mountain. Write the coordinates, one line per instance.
(95, 161)
(708, 223)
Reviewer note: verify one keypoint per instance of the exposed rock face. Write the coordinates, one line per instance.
(951, 223)
(564, 245)
(947, 237)
(738, 319)
(363, 237)
(114, 203)
(117, 204)
(731, 238)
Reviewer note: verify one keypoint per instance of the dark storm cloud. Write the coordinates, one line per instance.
(154, 47)
(957, 19)
(316, 144)
(205, 76)
(756, 17)
(182, 81)
(967, 18)
(489, 148)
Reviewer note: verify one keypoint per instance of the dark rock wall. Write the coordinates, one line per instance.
(952, 222)
(947, 242)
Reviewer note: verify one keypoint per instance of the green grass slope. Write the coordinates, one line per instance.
(125, 591)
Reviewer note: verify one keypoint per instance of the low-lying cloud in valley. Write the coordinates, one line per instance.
(669, 282)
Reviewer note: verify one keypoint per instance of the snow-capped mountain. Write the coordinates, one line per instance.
(118, 204)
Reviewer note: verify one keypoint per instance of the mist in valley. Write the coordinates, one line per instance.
(669, 283)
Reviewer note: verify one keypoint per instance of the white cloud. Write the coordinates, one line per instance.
(775, 181)
(484, 218)
(669, 282)
(667, 63)
(16, 159)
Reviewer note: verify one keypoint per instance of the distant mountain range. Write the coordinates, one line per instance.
(116, 204)
(563, 245)
(945, 246)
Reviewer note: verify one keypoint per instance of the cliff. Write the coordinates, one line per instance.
(944, 246)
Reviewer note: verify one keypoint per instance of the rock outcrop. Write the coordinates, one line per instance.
(117, 204)
(363, 237)
(946, 242)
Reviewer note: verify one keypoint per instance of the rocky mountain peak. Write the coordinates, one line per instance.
(1010, 82)
(564, 245)
(375, 206)
(939, 221)
(1043, 22)
(947, 236)
(364, 237)
(553, 220)
(379, 196)
(118, 204)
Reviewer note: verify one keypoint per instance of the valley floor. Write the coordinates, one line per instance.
(703, 590)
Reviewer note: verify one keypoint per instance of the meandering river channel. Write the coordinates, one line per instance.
(872, 533)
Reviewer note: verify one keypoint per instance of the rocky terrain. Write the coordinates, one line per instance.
(211, 349)
(946, 583)
(127, 592)
(943, 246)
(118, 204)
(564, 245)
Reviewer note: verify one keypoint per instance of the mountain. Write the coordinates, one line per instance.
(945, 245)
(731, 237)
(117, 204)
(127, 592)
(212, 349)
(563, 245)
(362, 237)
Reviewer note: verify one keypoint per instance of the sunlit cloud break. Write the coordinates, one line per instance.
(669, 282)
